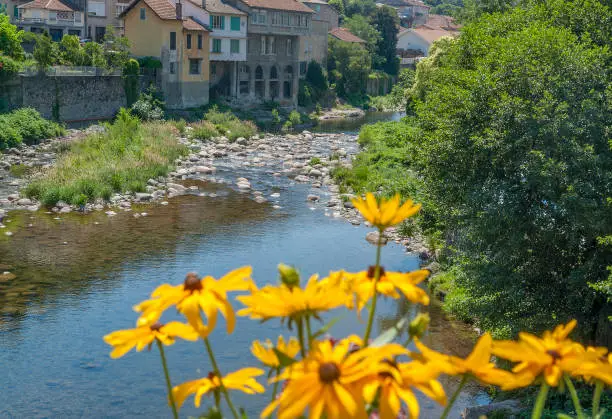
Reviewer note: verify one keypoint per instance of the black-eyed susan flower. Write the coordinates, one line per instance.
(196, 295)
(596, 364)
(549, 356)
(395, 383)
(477, 364)
(388, 284)
(330, 381)
(265, 351)
(387, 212)
(141, 337)
(241, 380)
(291, 302)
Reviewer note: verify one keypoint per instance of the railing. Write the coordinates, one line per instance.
(59, 22)
(64, 71)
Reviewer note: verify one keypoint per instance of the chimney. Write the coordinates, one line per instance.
(204, 4)
(179, 10)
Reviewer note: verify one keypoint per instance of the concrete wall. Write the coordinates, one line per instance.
(314, 46)
(77, 97)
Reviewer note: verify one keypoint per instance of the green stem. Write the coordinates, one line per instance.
(300, 327)
(167, 375)
(451, 402)
(218, 374)
(308, 331)
(596, 397)
(275, 389)
(366, 337)
(540, 401)
(574, 394)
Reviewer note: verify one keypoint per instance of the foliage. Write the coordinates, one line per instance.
(362, 26)
(349, 65)
(315, 76)
(275, 116)
(131, 71)
(71, 52)
(26, 125)
(46, 52)
(216, 123)
(116, 48)
(95, 54)
(120, 159)
(295, 118)
(8, 67)
(386, 21)
(338, 5)
(149, 62)
(313, 86)
(204, 130)
(149, 106)
(359, 7)
(10, 39)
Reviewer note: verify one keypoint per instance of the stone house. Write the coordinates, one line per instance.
(314, 46)
(276, 29)
(412, 13)
(52, 16)
(101, 14)
(160, 29)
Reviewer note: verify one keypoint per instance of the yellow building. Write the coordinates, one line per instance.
(157, 28)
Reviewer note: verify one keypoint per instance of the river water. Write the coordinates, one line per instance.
(77, 278)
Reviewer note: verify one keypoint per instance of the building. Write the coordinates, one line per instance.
(412, 13)
(102, 14)
(314, 46)
(276, 29)
(53, 16)
(343, 34)
(414, 43)
(228, 47)
(159, 28)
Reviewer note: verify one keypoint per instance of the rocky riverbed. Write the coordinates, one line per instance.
(243, 165)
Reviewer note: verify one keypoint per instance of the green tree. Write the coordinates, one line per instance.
(386, 22)
(350, 65)
(45, 51)
(359, 7)
(338, 5)
(94, 54)
(361, 26)
(116, 49)
(71, 51)
(315, 76)
(10, 39)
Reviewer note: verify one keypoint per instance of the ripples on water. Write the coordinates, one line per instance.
(78, 278)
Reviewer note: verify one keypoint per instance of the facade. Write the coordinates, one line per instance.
(53, 16)
(314, 46)
(158, 28)
(414, 43)
(101, 14)
(413, 13)
(275, 32)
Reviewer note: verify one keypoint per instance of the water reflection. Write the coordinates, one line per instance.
(353, 125)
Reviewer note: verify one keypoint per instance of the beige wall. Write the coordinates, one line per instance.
(195, 53)
(147, 37)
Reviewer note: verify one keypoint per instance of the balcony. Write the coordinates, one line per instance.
(47, 22)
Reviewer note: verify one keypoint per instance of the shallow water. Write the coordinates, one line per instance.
(352, 125)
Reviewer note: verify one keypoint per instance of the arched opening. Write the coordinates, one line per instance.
(243, 79)
(273, 73)
(287, 89)
(259, 82)
(259, 73)
(289, 71)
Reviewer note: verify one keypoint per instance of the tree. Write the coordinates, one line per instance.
(315, 76)
(116, 48)
(10, 39)
(386, 21)
(94, 54)
(360, 26)
(45, 51)
(359, 7)
(350, 65)
(338, 5)
(71, 51)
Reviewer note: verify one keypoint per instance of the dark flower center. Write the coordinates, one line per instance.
(372, 271)
(155, 327)
(554, 354)
(192, 282)
(329, 372)
(211, 375)
(392, 364)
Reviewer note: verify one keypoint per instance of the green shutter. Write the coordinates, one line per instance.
(235, 23)
(16, 11)
(211, 22)
(222, 22)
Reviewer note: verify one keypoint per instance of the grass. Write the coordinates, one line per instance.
(26, 126)
(20, 170)
(119, 160)
(217, 124)
(314, 161)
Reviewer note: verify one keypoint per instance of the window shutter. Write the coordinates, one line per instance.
(211, 22)
(222, 22)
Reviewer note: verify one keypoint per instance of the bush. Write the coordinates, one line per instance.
(180, 125)
(315, 76)
(295, 118)
(149, 106)
(149, 62)
(26, 125)
(204, 130)
(228, 124)
(8, 67)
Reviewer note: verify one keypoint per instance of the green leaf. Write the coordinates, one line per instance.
(390, 334)
(563, 416)
(284, 360)
(326, 328)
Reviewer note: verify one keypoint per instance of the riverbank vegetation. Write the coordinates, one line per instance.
(352, 376)
(507, 146)
(25, 125)
(216, 124)
(120, 159)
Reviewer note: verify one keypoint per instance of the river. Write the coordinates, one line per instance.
(77, 278)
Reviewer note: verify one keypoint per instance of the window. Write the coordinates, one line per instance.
(285, 19)
(289, 48)
(263, 45)
(261, 18)
(172, 68)
(199, 41)
(213, 69)
(119, 8)
(96, 8)
(235, 23)
(216, 46)
(303, 67)
(244, 69)
(317, 8)
(172, 41)
(52, 16)
(276, 18)
(244, 87)
(235, 46)
(188, 41)
(194, 66)
(271, 46)
(217, 22)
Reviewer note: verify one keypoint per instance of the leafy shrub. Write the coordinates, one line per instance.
(26, 125)
(8, 67)
(204, 130)
(315, 76)
(228, 124)
(149, 106)
(149, 62)
(295, 118)
(275, 116)
(180, 125)
(237, 129)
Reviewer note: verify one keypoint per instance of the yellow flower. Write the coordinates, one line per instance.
(477, 364)
(124, 340)
(396, 383)
(243, 380)
(207, 294)
(265, 353)
(595, 365)
(283, 301)
(388, 284)
(387, 213)
(329, 381)
(551, 356)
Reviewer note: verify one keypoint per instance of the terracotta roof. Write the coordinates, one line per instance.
(162, 8)
(431, 35)
(345, 35)
(288, 5)
(314, 1)
(417, 3)
(218, 6)
(55, 5)
(191, 25)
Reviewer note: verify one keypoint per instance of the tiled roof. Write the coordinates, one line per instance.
(191, 25)
(55, 5)
(431, 35)
(218, 6)
(441, 21)
(314, 1)
(345, 35)
(417, 3)
(288, 5)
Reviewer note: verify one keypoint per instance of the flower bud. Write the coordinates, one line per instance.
(289, 275)
(419, 325)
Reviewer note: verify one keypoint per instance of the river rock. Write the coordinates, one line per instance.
(302, 178)
(111, 213)
(175, 186)
(372, 237)
(241, 141)
(142, 197)
(65, 210)
(313, 198)
(24, 202)
(348, 205)
(315, 173)
(507, 409)
(13, 197)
